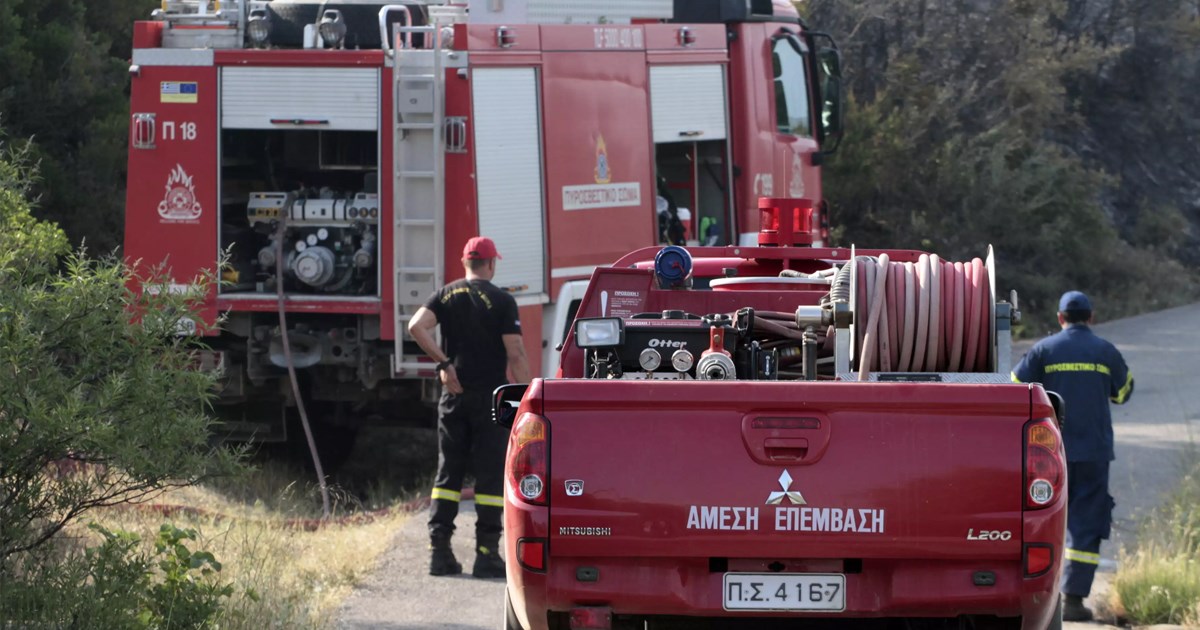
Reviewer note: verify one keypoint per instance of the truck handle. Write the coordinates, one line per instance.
(785, 449)
(383, 34)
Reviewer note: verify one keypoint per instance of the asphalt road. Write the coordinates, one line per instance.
(1152, 431)
(1156, 427)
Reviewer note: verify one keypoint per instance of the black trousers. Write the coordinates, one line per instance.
(468, 440)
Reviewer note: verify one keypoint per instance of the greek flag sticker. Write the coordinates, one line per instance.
(178, 92)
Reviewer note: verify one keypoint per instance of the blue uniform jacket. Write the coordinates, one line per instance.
(1087, 372)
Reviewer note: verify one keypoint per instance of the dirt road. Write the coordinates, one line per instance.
(402, 595)
(1151, 431)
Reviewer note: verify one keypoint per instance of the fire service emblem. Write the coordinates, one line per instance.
(179, 205)
(603, 175)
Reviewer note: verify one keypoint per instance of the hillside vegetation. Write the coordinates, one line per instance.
(1064, 132)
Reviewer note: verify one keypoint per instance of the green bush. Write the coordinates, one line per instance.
(121, 585)
(100, 402)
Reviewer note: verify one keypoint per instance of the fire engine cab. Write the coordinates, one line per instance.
(329, 159)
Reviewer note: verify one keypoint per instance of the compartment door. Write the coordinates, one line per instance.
(687, 103)
(508, 167)
(283, 98)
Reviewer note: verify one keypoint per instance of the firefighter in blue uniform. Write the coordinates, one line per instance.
(1087, 372)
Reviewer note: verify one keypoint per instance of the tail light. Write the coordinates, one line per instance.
(1039, 558)
(531, 553)
(528, 465)
(1045, 464)
(591, 618)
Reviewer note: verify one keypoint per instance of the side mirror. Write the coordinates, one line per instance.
(505, 401)
(1060, 407)
(828, 61)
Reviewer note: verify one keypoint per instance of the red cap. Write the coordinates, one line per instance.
(480, 248)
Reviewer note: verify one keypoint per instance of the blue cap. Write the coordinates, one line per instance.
(1074, 301)
(672, 267)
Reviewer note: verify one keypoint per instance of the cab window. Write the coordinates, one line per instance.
(791, 88)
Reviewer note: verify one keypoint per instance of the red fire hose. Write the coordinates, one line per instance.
(931, 315)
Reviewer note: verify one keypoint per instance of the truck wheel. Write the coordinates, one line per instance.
(510, 615)
(1056, 622)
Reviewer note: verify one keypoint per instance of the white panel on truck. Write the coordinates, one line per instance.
(567, 11)
(687, 103)
(508, 168)
(300, 98)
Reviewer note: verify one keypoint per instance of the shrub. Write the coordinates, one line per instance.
(99, 401)
(119, 584)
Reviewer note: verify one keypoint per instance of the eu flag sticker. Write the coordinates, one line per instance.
(178, 92)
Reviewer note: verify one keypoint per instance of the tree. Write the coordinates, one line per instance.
(964, 131)
(100, 402)
(64, 83)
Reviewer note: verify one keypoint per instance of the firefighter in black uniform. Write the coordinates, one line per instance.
(481, 335)
(1087, 372)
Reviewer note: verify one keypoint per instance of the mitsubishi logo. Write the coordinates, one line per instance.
(785, 481)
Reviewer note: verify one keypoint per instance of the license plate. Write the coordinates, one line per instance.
(785, 591)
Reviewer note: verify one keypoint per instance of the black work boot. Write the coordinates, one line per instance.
(441, 557)
(488, 563)
(1074, 610)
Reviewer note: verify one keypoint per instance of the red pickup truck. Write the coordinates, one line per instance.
(725, 449)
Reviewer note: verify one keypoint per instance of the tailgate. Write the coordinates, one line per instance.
(831, 470)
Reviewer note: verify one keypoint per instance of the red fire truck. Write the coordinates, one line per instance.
(335, 156)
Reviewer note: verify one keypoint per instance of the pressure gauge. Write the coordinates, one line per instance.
(322, 234)
(650, 359)
(301, 246)
(312, 239)
(682, 360)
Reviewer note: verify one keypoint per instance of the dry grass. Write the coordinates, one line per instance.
(1157, 587)
(1159, 582)
(283, 576)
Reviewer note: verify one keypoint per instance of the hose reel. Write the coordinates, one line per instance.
(931, 315)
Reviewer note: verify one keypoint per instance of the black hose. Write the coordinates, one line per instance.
(809, 350)
(280, 230)
(840, 291)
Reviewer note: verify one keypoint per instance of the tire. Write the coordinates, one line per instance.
(1056, 622)
(510, 615)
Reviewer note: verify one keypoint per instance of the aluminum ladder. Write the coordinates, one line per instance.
(418, 203)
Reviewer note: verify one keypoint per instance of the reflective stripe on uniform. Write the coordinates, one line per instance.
(1086, 557)
(447, 494)
(489, 500)
(1125, 389)
(1077, 367)
(1014, 377)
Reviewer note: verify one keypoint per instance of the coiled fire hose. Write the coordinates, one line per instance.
(927, 316)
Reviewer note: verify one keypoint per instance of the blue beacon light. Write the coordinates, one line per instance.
(673, 267)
